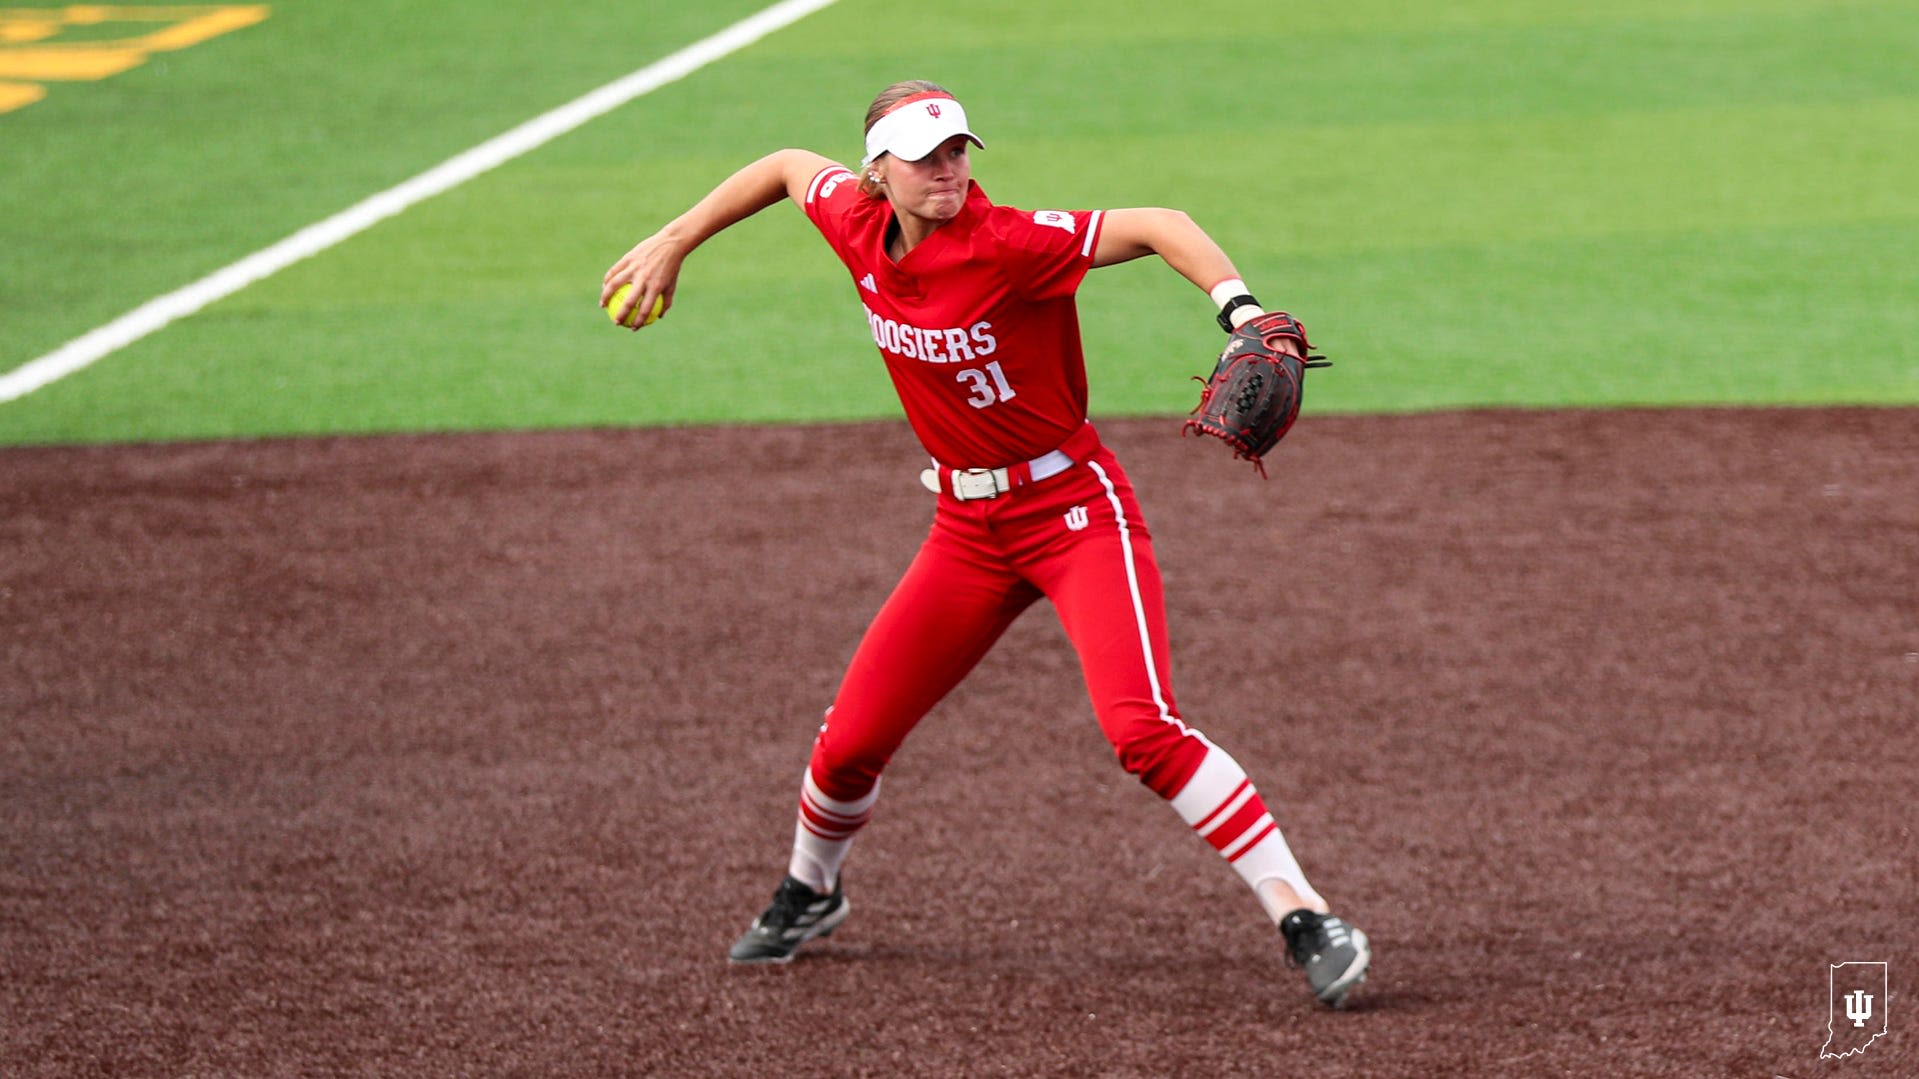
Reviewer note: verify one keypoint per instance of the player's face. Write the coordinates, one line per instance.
(934, 187)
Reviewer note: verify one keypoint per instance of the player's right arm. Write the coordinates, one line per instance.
(653, 265)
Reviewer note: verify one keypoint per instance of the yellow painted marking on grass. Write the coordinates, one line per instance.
(31, 45)
(14, 95)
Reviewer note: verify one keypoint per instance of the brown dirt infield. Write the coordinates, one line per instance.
(469, 755)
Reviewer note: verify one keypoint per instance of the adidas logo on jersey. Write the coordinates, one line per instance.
(867, 283)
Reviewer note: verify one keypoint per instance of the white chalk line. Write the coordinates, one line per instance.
(89, 348)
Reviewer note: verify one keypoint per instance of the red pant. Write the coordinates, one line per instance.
(1077, 539)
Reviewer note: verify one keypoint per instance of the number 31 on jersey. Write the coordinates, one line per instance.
(989, 387)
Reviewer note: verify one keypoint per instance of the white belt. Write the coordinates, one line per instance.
(967, 484)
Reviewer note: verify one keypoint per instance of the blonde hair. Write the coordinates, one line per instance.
(883, 104)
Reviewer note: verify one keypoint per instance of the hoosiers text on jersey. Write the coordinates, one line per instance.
(951, 345)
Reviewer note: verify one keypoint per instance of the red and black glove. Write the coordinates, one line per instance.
(1254, 395)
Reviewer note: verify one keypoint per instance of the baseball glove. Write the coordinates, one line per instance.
(1253, 397)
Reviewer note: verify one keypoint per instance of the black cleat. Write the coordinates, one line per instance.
(1334, 955)
(798, 914)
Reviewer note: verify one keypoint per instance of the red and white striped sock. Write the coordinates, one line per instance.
(1222, 806)
(824, 834)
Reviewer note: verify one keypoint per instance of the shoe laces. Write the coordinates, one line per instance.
(789, 904)
(1305, 938)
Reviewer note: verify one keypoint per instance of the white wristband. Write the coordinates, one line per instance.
(1245, 313)
(1228, 289)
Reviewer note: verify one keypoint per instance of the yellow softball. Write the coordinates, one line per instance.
(619, 297)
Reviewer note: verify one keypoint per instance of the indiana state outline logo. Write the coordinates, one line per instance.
(1855, 1008)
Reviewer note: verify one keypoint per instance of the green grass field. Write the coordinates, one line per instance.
(1491, 203)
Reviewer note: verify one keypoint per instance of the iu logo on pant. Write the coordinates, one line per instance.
(1076, 518)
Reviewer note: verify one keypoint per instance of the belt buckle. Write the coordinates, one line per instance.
(970, 484)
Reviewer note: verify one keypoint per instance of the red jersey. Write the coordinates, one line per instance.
(977, 324)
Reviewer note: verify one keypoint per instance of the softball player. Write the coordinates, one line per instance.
(971, 307)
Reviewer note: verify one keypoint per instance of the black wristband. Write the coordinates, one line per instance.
(1226, 310)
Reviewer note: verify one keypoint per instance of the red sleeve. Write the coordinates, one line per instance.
(831, 193)
(1047, 252)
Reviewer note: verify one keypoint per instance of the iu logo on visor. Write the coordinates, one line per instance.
(933, 111)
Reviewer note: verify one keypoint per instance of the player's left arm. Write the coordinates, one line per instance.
(1135, 233)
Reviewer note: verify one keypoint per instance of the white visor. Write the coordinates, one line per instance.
(916, 127)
